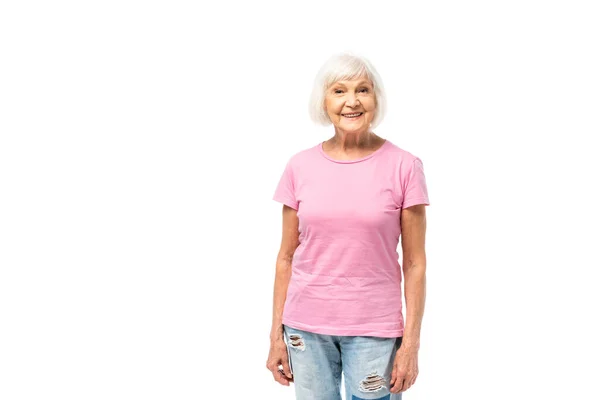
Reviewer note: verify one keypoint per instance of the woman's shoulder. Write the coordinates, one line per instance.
(304, 154)
(400, 153)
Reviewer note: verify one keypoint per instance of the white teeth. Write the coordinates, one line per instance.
(351, 115)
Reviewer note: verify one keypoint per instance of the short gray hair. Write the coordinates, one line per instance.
(339, 67)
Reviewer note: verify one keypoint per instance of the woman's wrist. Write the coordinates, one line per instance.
(277, 333)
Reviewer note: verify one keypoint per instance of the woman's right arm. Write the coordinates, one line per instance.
(283, 271)
(283, 268)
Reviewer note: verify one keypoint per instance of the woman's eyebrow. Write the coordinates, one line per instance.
(363, 82)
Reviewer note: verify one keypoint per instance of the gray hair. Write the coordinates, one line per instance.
(339, 67)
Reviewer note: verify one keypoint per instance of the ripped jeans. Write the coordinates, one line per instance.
(317, 362)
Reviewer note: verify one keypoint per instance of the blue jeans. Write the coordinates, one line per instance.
(317, 362)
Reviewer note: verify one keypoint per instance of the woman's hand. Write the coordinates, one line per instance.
(278, 356)
(405, 370)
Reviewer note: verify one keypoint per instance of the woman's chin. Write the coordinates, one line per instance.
(352, 127)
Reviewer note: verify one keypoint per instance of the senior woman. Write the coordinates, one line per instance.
(337, 302)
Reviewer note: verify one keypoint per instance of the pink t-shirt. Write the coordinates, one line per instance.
(346, 277)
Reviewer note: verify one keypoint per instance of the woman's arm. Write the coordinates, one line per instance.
(413, 223)
(406, 365)
(283, 269)
(277, 361)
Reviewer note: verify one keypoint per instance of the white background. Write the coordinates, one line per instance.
(141, 143)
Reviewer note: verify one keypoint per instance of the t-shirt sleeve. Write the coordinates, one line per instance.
(285, 191)
(415, 187)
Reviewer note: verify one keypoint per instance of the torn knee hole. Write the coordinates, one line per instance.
(372, 383)
(297, 342)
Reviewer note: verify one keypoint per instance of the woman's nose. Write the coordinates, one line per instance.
(352, 100)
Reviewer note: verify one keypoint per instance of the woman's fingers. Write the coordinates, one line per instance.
(401, 382)
(277, 363)
(279, 374)
(404, 371)
(398, 384)
(286, 369)
(280, 377)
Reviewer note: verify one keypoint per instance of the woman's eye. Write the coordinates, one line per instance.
(362, 90)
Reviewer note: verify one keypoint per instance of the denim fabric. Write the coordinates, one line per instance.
(317, 362)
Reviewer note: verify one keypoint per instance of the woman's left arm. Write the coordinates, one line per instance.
(413, 225)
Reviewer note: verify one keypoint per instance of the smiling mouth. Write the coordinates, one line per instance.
(353, 115)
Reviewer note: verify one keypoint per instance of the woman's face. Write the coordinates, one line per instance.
(344, 98)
